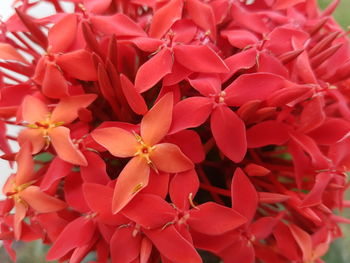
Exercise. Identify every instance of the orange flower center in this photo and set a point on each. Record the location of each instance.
(143, 149)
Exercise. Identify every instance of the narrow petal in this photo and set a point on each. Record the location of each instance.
(145, 250)
(190, 113)
(243, 194)
(76, 234)
(135, 100)
(78, 64)
(213, 219)
(41, 202)
(154, 70)
(165, 17)
(199, 59)
(67, 109)
(66, 150)
(183, 187)
(117, 141)
(63, 33)
(25, 165)
(131, 180)
(54, 84)
(229, 133)
(125, 247)
(34, 110)
(138, 211)
(172, 245)
(8, 52)
(168, 157)
(156, 123)
(20, 214)
(304, 241)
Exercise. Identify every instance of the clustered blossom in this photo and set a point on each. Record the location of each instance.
(175, 128)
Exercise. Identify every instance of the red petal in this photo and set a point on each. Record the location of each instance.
(312, 116)
(34, 136)
(229, 133)
(63, 33)
(309, 146)
(241, 60)
(255, 86)
(76, 234)
(125, 246)
(173, 246)
(314, 197)
(244, 196)
(190, 113)
(58, 169)
(240, 38)
(8, 52)
(34, 110)
(165, 17)
(239, 251)
(304, 241)
(248, 19)
(156, 123)
(95, 171)
(213, 219)
(99, 199)
(158, 184)
(97, 6)
(41, 202)
(199, 59)
(118, 24)
(138, 210)
(25, 165)
(284, 4)
(131, 180)
(263, 227)
(78, 64)
(182, 187)
(67, 109)
(154, 70)
(20, 214)
(54, 84)
(331, 131)
(168, 157)
(266, 133)
(73, 193)
(66, 150)
(190, 144)
(207, 84)
(202, 14)
(135, 100)
(117, 141)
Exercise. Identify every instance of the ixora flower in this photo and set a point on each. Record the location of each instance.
(175, 131)
(145, 149)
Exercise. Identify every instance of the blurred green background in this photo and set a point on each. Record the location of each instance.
(339, 252)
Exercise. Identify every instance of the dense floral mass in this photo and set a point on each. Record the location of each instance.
(169, 130)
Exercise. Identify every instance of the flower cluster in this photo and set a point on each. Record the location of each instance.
(166, 130)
